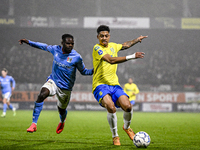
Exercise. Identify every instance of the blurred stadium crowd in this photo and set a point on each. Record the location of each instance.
(164, 64)
(172, 55)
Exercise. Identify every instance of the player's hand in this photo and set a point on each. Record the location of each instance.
(141, 38)
(139, 54)
(23, 41)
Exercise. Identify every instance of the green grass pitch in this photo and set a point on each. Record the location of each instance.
(90, 130)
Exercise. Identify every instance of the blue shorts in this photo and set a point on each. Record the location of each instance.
(114, 91)
(132, 102)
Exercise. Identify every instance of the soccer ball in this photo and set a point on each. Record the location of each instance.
(141, 139)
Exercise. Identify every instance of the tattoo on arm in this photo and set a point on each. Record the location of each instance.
(129, 44)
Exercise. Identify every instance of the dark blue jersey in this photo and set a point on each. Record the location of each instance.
(64, 65)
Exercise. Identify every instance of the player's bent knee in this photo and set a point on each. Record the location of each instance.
(128, 108)
(41, 97)
(44, 93)
(111, 109)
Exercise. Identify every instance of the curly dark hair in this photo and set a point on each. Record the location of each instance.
(103, 28)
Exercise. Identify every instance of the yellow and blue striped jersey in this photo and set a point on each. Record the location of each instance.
(104, 72)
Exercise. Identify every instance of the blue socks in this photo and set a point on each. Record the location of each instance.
(36, 111)
(11, 107)
(38, 108)
(4, 107)
(62, 117)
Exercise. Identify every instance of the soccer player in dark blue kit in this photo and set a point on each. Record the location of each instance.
(7, 84)
(61, 81)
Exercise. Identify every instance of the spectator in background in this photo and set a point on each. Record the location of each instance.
(131, 90)
(7, 84)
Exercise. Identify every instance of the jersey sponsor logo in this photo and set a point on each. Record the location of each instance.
(100, 52)
(69, 59)
(62, 65)
(96, 48)
(100, 93)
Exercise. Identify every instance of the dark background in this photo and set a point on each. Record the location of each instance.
(172, 55)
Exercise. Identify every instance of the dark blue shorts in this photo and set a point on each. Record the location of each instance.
(114, 91)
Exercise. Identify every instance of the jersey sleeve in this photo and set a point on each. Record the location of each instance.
(136, 89)
(12, 81)
(42, 46)
(118, 47)
(81, 67)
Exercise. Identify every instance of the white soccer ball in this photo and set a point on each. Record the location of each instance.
(141, 139)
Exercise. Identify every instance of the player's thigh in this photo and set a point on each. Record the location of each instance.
(63, 98)
(49, 88)
(4, 100)
(108, 103)
(124, 103)
(44, 93)
(6, 97)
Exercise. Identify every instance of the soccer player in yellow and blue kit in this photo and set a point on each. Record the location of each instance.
(131, 89)
(106, 88)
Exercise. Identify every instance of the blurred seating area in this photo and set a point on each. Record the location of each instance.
(172, 55)
(175, 67)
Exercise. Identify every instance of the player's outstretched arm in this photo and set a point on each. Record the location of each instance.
(117, 60)
(23, 41)
(129, 44)
(38, 45)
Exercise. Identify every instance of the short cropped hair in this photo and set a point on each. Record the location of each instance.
(64, 36)
(103, 28)
(4, 69)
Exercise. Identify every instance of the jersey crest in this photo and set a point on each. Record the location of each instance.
(69, 59)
